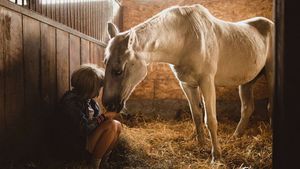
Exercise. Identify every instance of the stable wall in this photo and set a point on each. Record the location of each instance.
(37, 58)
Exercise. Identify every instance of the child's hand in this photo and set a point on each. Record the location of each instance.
(110, 115)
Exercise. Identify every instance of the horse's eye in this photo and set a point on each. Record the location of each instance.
(118, 72)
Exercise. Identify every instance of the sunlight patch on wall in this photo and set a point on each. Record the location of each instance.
(19, 2)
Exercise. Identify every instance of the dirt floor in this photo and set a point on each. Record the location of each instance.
(157, 143)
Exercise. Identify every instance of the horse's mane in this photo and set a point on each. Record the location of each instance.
(198, 17)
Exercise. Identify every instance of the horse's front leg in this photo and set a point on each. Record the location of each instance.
(193, 95)
(207, 86)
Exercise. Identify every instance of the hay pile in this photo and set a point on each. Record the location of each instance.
(170, 144)
(161, 144)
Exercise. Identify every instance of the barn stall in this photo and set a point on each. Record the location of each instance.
(39, 39)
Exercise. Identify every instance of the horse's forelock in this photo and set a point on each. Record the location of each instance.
(116, 42)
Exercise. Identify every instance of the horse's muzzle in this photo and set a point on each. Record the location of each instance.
(113, 106)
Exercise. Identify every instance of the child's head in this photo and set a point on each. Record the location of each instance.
(87, 80)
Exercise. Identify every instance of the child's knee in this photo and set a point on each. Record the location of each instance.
(113, 126)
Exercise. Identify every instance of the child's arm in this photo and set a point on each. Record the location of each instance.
(90, 125)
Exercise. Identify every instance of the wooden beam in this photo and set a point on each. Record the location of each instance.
(32, 44)
(48, 68)
(74, 54)
(85, 51)
(62, 58)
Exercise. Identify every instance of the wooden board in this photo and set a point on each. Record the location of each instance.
(32, 101)
(31, 40)
(92, 53)
(62, 58)
(74, 54)
(14, 82)
(93, 57)
(97, 54)
(2, 73)
(48, 66)
(97, 58)
(100, 55)
(85, 51)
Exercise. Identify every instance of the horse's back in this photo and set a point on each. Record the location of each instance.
(263, 25)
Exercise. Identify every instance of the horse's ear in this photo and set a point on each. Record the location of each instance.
(112, 30)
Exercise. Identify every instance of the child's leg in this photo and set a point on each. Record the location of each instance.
(103, 139)
(113, 143)
(108, 139)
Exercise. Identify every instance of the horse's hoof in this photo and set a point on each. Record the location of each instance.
(237, 134)
(217, 163)
(216, 156)
(216, 160)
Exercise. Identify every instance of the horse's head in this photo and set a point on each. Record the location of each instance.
(124, 68)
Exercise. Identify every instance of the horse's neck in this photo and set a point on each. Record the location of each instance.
(156, 47)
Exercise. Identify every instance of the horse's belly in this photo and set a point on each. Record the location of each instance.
(237, 73)
(233, 80)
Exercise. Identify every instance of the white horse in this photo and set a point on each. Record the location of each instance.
(203, 51)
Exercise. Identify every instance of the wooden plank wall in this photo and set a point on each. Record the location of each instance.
(87, 16)
(37, 58)
(3, 38)
(48, 68)
(13, 65)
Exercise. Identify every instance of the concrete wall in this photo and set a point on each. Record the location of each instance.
(160, 93)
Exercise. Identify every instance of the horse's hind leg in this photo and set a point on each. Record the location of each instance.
(247, 106)
(193, 95)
